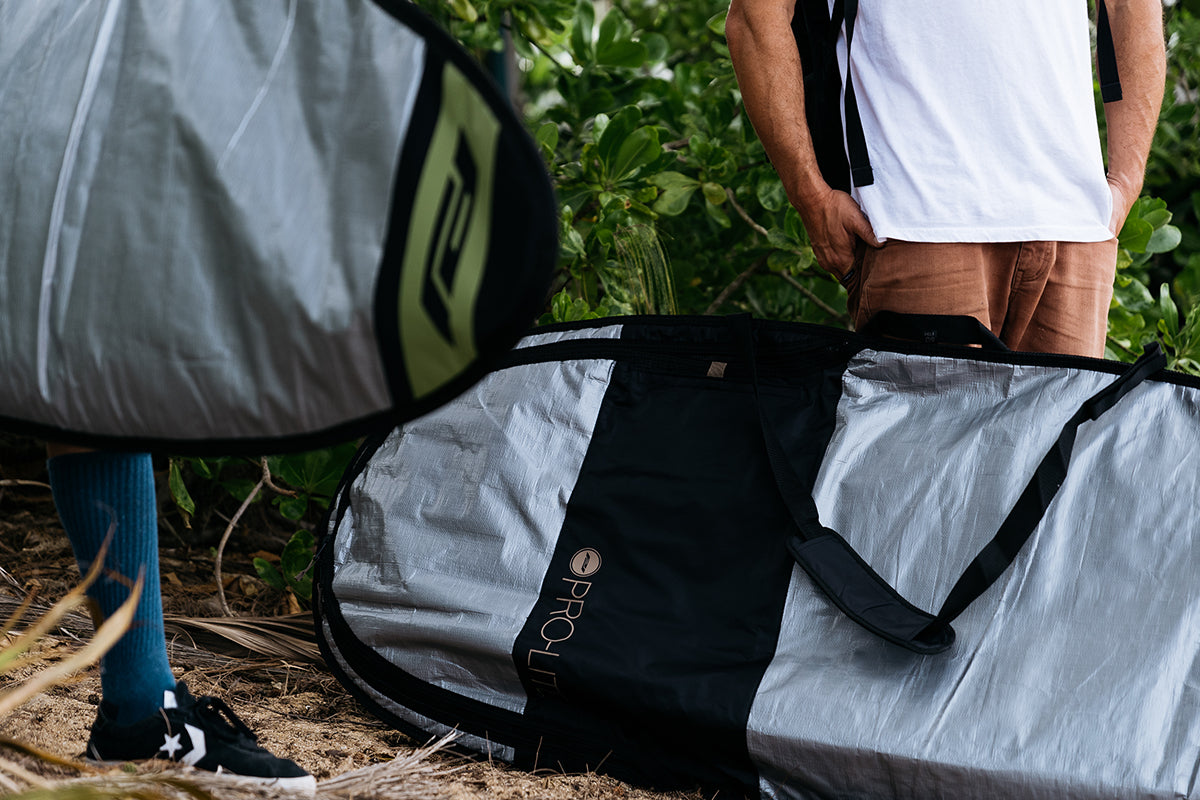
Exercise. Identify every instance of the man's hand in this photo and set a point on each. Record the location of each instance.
(835, 223)
(1123, 199)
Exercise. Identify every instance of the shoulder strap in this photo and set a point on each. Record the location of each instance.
(856, 140)
(816, 33)
(1106, 57)
(867, 598)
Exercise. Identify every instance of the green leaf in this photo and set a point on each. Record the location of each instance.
(639, 149)
(1167, 310)
(1133, 296)
(610, 29)
(463, 9)
(713, 193)
(547, 137)
(781, 261)
(673, 202)
(656, 45)
(316, 472)
(612, 132)
(622, 54)
(1158, 217)
(770, 194)
(268, 574)
(292, 508)
(241, 488)
(716, 23)
(207, 468)
(179, 493)
(674, 180)
(793, 226)
(780, 240)
(1135, 235)
(297, 554)
(717, 215)
(560, 304)
(1164, 239)
(581, 32)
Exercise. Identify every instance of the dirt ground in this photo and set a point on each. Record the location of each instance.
(294, 704)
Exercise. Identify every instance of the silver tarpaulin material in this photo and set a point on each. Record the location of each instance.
(197, 205)
(1075, 675)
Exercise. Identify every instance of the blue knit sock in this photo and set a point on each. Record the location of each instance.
(95, 492)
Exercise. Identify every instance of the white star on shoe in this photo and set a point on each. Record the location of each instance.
(171, 745)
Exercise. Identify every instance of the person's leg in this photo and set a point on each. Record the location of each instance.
(144, 713)
(936, 278)
(1068, 312)
(98, 493)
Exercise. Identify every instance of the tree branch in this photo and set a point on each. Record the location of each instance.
(818, 302)
(728, 291)
(264, 480)
(742, 213)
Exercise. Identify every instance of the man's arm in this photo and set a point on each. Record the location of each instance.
(771, 80)
(1137, 29)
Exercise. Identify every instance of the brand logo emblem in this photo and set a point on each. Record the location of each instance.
(448, 237)
(585, 563)
(558, 627)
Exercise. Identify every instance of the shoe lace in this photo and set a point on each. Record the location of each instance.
(217, 713)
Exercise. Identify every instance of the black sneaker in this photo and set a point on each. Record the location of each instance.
(200, 732)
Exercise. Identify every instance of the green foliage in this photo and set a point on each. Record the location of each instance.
(638, 115)
(1137, 315)
(305, 484)
(312, 476)
(666, 195)
(294, 570)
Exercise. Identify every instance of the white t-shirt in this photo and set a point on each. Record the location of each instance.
(979, 120)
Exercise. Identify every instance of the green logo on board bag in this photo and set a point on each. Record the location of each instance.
(448, 237)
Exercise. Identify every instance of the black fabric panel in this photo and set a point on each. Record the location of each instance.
(816, 38)
(659, 651)
(522, 245)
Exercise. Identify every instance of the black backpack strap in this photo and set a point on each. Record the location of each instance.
(1106, 57)
(816, 36)
(858, 590)
(856, 141)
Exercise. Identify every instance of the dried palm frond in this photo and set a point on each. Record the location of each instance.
(17, 653)
(290, 638)
(111, 630)
(648, 284)
(408, 776)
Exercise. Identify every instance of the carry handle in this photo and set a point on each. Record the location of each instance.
(933, 329)
(860, 592)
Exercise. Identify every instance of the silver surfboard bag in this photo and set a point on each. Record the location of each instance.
(785, 561)
(254, 226)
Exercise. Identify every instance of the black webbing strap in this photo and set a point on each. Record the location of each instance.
(1017, 527)
(856, 141)
(1106, 57)
(933, 329)
(858, 590)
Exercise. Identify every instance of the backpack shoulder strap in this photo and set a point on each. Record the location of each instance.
(1106, 57)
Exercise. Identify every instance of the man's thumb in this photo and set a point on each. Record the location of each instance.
(864, 231)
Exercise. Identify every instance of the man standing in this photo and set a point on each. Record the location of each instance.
(989, 195)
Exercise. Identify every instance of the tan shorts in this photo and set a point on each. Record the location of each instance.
(1049, 297)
